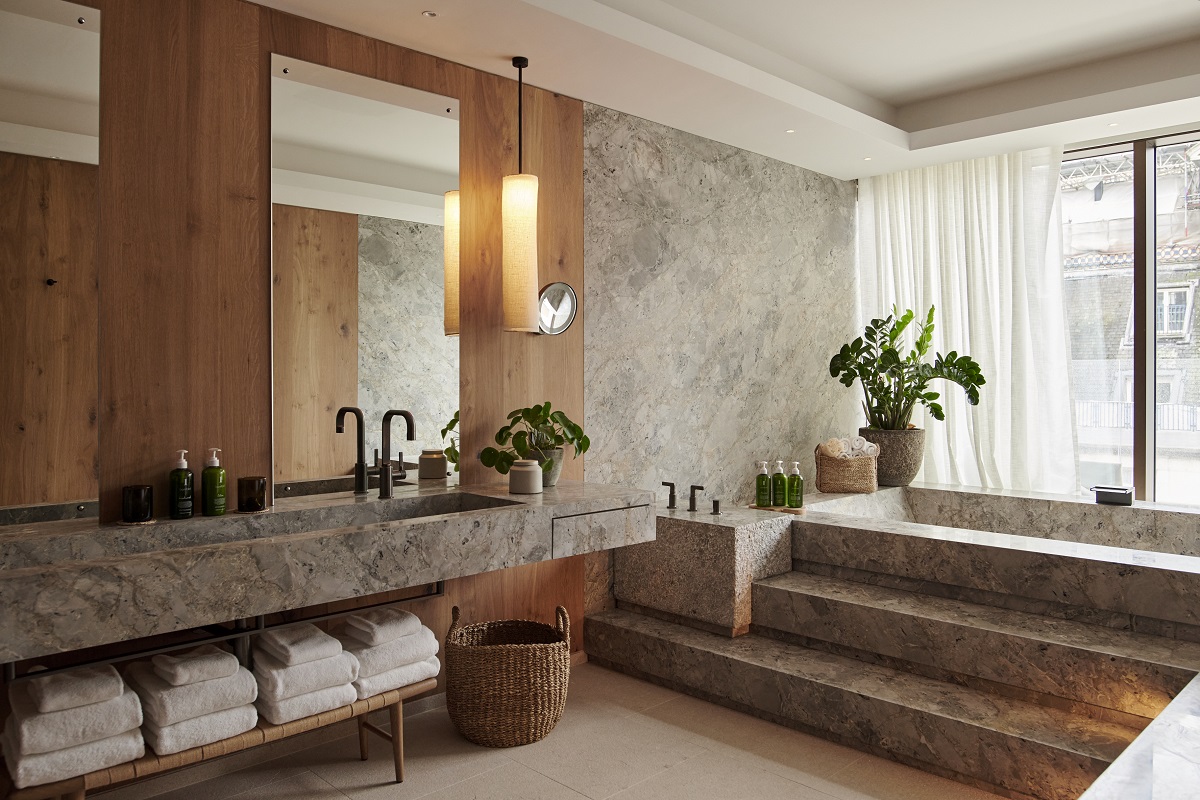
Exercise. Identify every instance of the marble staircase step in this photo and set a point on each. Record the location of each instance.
(981, 738)
(1114, 669)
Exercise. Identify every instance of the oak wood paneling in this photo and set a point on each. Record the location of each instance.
(184, 271)
(315, 279)
(48, 216)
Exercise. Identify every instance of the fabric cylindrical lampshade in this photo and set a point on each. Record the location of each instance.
(450, 234)
(520, 260)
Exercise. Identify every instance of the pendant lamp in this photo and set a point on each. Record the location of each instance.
(519, 210)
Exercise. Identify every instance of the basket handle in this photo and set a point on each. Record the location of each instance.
(564, 623)
(454, 614)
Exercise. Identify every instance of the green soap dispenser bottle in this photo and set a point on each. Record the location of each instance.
(182, 486)
(762, 487)
(778, 485)
(213, 479)
(795, 490)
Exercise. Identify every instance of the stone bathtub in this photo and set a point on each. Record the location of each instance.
(1142, 526)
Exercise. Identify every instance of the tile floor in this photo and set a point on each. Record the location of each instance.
(619, 738)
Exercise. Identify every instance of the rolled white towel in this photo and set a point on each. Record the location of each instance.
(201, 730)
(165, 704)
(871, 449)
(34, 732)
(278, 682)
(857, 444)
(205, 663)
(299, 644)
(419, 646)
(395, 678)
(278, 712)
(77, 687)
(381, 625)
(34, 770)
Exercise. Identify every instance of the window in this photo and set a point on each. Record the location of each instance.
(1174, 311)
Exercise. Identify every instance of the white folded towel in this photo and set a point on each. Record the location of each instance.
(205, 663)
(34, 732)
(299, 644)
(419, 646)
(277, 682)
(77, 687)
(165, 704)
(201, 730)
(395, 678)
(81, 759)
(381, 625)
(278, 712)
(858, 444)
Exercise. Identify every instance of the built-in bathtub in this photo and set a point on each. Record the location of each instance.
(1143, 526)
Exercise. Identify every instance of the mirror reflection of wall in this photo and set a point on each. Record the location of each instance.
(49, 151)
(359, 171)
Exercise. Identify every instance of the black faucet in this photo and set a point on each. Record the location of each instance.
(692, 504)
(671, 499)
(360, 466)
(385, 466)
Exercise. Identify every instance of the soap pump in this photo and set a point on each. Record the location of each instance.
(213, 478)
(762, 487)
(182, 484)
(795, 487)
(778, 485)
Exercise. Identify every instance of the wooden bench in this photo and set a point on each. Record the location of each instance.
(151, 764)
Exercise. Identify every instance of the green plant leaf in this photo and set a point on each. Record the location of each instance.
(489, 456)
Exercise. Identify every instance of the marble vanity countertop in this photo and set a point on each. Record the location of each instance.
(67, 584)
(1163, 761)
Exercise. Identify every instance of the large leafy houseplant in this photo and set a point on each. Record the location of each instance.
(894, 384)
(533, 433)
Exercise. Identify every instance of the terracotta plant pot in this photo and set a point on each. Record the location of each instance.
(900, 454)
(550, 477)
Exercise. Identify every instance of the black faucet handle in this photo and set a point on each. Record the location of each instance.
(671, 499)
(692, 503)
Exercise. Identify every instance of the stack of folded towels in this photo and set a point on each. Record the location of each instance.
(301, 671)
(69, 724)
(193, 699)
(393, 649)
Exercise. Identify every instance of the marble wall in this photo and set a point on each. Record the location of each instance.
(719, 284)
(405, 360)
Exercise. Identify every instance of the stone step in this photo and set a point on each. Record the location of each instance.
(1093, 664)
(1119, 587)
(984, 739)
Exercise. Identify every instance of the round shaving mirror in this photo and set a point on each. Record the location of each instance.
(556, 308)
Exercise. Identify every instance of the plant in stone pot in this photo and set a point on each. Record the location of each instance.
(538, 433)
(894, 385)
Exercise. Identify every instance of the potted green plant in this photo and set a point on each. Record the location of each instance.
(538, 433)
(451, 450)
(894, 385)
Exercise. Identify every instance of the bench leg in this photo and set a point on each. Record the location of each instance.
(396, 713)
(362, 736)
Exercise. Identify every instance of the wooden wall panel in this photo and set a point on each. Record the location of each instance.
(315, 282)
(48, 215)
(185, 303)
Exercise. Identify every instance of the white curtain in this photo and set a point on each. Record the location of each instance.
(980, 240)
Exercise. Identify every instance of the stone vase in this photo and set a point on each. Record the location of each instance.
(900, 454)
(549, 477)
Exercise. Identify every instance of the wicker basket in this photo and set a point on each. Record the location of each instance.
(854, 475)
(506, 681)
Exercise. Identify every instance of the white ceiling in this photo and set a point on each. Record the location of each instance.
(903, 84)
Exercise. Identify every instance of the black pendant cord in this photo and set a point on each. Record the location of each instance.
(520, 62)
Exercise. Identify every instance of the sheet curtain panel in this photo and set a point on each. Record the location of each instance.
(981, 241)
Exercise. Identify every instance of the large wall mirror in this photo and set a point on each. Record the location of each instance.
(49, 152)
(360, 168)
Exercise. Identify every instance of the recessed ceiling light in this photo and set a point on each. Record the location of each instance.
(1113, 124)
(790, 130)
(430, 14)
(868, 158)
(286, 71)
(81, 20)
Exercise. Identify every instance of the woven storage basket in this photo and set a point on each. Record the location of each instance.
(856, 475)
(506, 681)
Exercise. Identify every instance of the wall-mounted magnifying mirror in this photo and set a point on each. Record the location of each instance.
(557, 305)
(360, 168)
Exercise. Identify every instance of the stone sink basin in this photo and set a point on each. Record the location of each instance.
(50, 543)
